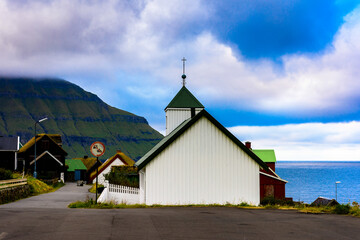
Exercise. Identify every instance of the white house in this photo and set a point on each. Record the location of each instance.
(119, 159)
(199, 161)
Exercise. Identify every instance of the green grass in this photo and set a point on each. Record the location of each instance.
(343, 209)
(37, 186)
(93, 187)
(90, 203)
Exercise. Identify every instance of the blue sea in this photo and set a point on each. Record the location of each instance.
(307, 180)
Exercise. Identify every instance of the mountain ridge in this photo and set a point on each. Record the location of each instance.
(81, 117)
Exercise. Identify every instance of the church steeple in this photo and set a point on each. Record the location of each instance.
(182, 107)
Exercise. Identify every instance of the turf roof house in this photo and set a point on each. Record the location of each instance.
(119, 159)
(199, 161)
(50, 156)
(76, 170)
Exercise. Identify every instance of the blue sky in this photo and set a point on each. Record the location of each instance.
(282, 74)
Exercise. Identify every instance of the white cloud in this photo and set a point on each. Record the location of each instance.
(307, 141)
(87, 41)
(308, 84)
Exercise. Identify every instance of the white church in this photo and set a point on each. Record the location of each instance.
(199, 161)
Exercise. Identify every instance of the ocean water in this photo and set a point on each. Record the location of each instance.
(307, 180)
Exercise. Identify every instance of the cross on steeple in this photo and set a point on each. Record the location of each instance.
(183, 76)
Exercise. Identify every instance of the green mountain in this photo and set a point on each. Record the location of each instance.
(79, 116)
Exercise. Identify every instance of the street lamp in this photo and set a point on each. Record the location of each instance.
(39, 121)
(336, 183)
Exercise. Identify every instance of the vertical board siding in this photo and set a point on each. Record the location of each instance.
(202, 166)
(175, 116)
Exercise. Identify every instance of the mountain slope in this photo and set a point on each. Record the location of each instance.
(79, 116)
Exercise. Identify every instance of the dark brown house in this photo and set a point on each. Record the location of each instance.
(9, 147)
(50, 156)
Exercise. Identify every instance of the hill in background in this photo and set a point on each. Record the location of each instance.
(79, 116)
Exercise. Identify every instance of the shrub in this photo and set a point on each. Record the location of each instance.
(272, 201)
(342, 209)
(355, 209)
(244, 204)
(268, 201)
(5, 174)
(123, 175)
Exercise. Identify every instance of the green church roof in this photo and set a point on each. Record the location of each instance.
(184, 99)
(75, 164)
(267, 155)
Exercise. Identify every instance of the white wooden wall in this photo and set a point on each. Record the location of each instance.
(203, 166)
(101, 177)
(175, 116)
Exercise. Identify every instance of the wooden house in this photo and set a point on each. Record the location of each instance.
(199, 161)
(76, 170)
(9, 147)
(271, 184)
(119, 159)
(50, 156)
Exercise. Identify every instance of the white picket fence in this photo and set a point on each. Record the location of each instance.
(119, 194)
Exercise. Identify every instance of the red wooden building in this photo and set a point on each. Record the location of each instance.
(271, 184)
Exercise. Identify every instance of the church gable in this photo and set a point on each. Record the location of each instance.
(202, 165)
(169, 139)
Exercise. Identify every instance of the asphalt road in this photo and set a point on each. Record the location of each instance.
(36, 221)
(59, 199)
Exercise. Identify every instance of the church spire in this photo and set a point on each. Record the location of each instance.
(183, 76)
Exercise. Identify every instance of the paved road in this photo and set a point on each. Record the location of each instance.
(173, 223)
(59, 199)
(46, 217)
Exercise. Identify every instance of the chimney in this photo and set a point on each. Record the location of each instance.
(248, 145)
(192, 112)
(118, 151)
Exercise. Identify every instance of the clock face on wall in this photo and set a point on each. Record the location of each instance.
(97, 149)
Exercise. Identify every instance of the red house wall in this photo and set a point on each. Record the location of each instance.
(270, 186)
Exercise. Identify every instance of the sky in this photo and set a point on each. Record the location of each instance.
(281, 74)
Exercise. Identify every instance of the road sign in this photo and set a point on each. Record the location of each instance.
(97, 149)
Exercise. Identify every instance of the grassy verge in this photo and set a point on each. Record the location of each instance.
(93, 188)
(344, 209)
(37, 186)
(90, 203)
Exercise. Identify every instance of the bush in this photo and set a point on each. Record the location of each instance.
(342, 209)
(123, 175)
(272, 201)
(268, 201)
(5, 174)
(355, 209)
